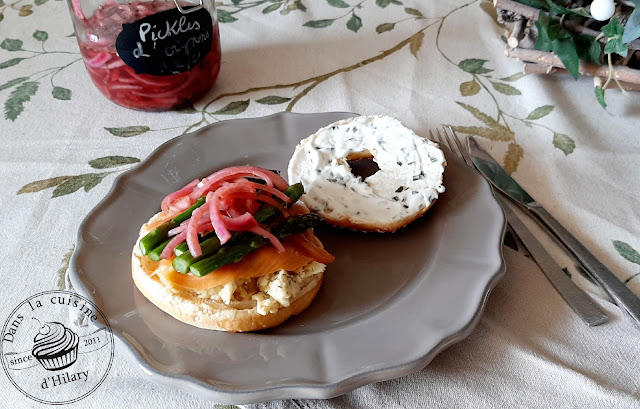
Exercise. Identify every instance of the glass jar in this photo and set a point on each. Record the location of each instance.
(150, 55)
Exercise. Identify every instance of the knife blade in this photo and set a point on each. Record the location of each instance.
(498, 177)
(577, 299)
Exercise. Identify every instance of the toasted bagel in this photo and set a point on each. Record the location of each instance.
(407, 184)
(241, 313)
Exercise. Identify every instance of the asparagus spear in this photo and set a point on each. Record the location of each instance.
(158, 235)
(155, 253)
(235, 253)
(211, 244)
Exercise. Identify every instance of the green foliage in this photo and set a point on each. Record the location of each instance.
(505, 88)
(474, 66)
(564, 143)
(15, 104)
(384, 27)
(112, 161)
(355, 23)
(41, 35)
(514, 77)
(271, 8)
(128, 131)
(600, 96)
(273, 100)
(413, 12)
(632, 28)
(540, 112)
(74, 183)
(10, 63)
(338, 3)
(64, 185)
(588, 48)
(225, 17)
(11, 44)
(60, 93)
(626, 251)
(13, 82)
(233, 108)
(614, 31)
(553, 37)
(319, 23)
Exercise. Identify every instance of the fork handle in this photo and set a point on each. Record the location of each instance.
(619, 292)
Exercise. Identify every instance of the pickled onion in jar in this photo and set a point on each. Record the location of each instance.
(119, 82)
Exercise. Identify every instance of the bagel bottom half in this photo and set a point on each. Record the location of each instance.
(204, 312)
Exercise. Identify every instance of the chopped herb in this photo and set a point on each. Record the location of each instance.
(400, 189)
(417, 177)
(433, 159)
(399, 163)
(405, 206)
(396, 198)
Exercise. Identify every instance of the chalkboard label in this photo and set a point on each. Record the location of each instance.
(167, 42)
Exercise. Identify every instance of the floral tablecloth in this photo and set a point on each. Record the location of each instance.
(427, 63)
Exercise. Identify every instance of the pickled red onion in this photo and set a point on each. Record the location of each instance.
(168, 250)
(260, 198)
(170, 198)
(99, 60)
(192, 229)
(212, 181)
(241, 223)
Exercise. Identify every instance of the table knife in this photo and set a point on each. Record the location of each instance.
(577, 299)
(621, 295)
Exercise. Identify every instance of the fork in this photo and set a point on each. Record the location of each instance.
(577, 299)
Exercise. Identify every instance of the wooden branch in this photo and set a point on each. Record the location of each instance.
(533, 13)
(625, 74)
(518, 8)
(516, 35)
(531, 68)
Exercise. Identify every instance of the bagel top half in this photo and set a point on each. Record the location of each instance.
(240, 305)
(406, 185)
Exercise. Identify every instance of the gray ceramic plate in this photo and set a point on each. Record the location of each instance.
(388, 305)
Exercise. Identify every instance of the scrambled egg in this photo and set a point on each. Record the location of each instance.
(271, 292)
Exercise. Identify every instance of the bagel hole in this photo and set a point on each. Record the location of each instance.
(362, 164)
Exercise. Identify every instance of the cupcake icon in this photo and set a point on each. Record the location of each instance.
(55, 346)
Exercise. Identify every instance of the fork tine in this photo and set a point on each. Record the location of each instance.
(440, 139)
(463, 151)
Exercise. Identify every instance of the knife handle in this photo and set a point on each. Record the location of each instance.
(619, 292)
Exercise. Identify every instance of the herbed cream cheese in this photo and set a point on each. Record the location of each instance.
(271, 292)
(410, 175)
